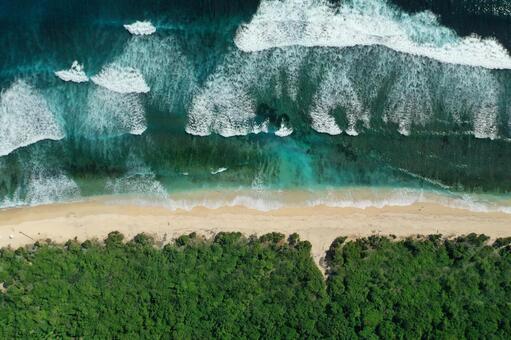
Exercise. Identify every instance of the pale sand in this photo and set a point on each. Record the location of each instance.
(319, 225)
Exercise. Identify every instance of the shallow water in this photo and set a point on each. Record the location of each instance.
(293, 95)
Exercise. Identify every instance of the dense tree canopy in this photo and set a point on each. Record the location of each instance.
(266, 287)
(260, 288)
(426, 288)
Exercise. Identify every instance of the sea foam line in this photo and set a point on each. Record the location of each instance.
(270, 200)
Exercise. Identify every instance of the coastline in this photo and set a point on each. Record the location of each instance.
(96, 217)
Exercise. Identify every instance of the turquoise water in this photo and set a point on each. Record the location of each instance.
(270, 95)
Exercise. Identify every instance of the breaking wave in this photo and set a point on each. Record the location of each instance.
(40, 184)
(284, 130)
(113, 114)
(247, 201)
(25, 118)
(230, 113)
(364, 22)
(75, 74)
(407, 197)
(121, 79)
(164, 66)
(336, 90)
(139, 179)
(227, 103)
(350, 90)
(45, 188)
(141, 28)
(269, 200)
(364, 93)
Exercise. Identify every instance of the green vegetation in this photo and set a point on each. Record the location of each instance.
(266, 287)
(427, 288)
(261, 288)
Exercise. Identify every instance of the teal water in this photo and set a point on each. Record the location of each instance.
(253, 95)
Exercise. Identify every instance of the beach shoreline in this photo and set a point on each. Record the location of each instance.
(320, 225)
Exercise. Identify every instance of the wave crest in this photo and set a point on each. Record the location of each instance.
(139, 179)
(25, 118)
(364, 22)
(75, 74)
(141, 28)
(121, 79)
(112, 114)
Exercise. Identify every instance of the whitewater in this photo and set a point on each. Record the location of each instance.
(259, 99)
(365, 22)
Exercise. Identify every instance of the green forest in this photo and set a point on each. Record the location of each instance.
(268, 287)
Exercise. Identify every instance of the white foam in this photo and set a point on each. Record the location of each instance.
(247, 201)
(74, 74)
(121, 79)
(139, 179)
(410, 101)
(226, 104)
(490, 7)
(112, 114)
(7, 203)
(325, 123)
(25, 118)
(141, 28)
(475, 204)
(476, 92)
(223, 108)
(163, 64)
(218, 171)
(346, 199)
(349, 90)
(313, 23)
(268, 200)
(336, 92)
(263, 127)
(407, 197)
(142, 184)
(43, 188)
(416, 95)
(284, 130)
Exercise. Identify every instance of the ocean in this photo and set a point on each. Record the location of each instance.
(360, 103)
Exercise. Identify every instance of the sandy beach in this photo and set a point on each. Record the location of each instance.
(320, 225)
